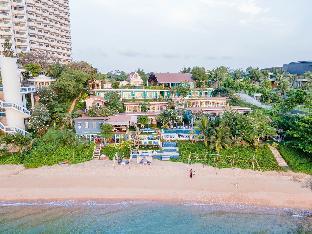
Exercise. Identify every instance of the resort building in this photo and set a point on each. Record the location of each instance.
(41, 81)
(206, 102)
(300, 82)
(135, 79)
(13, 98)
(99, 84)
(171, 80)
(94, 101)
(212, 105)
(37, 26)
(138, 94)
(154, 107)
(298, 68)
(151, 94)
(90, 127)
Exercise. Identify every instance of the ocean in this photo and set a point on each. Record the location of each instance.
(148, 217)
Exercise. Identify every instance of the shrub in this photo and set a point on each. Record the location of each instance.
(10, 159)
(58, 146)
(244, 157)
(296, 159)
(122, 150)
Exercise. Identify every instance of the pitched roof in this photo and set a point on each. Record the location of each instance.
(164, 78)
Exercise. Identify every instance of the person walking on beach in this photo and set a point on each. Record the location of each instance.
(191, 174)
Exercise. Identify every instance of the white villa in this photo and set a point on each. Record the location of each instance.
(135, 79)
(41, 81)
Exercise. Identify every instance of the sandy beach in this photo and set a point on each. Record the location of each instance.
(163, 181)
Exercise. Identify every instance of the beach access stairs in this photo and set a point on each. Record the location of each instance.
(97, 151)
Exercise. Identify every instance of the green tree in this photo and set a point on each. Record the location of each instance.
(186, 70)
(145, 107)
(205, 128)
(40, 119)
(220, 138)
(143, 76)
(219, 75)
(301, 133)
(33, 68)
(200, 76)
(182, 90)
(143, 120)
(236, 122)
(255, 74)
(117, 75)
(168, 118)
(115, 85)
(294, 98)
(114, 102)
(7, 49)
(48, 97)
(55, 70)
(106, 131)
(258, 126)
(238, 74)
(83, 67)
(70, 84)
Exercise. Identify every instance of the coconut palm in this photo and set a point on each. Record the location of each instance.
(205, 128)
(221, 138)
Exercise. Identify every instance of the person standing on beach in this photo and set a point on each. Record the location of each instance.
(191, 174)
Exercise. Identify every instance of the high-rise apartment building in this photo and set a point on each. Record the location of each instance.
(37, 26)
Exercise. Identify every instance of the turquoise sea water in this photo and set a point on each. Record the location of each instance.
(147, 217)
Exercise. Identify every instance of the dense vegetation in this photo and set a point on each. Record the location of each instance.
(56, 146)
(244, 157)
(296, 159)
(122, 150)
(233, 140)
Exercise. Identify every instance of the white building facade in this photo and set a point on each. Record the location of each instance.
(37, 25)
(13, 101)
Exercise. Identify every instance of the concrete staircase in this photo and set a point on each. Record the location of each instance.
(97, 152)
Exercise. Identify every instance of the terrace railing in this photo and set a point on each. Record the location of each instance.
(21, 109)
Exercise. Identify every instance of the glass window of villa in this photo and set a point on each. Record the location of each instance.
(86, 124)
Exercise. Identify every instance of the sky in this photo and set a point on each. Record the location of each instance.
(167, 35)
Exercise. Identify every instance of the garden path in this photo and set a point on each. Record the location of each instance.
(280, 161)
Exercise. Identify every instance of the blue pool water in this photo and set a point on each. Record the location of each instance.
(146, 217)
(179, 131)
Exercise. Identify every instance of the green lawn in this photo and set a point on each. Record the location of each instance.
(297, 160)
(244, 157)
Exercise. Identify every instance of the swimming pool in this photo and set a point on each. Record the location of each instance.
(180, 131)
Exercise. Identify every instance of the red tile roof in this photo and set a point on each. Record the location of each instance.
(164, 78)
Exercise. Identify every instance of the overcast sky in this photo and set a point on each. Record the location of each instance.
(166, 35)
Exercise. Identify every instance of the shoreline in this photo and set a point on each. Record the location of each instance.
(126, 201)
(163, 182)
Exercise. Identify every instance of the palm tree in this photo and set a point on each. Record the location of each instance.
(221, 138)
(205, 128)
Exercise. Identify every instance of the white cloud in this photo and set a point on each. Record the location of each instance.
(251, 7)
(146, 32)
